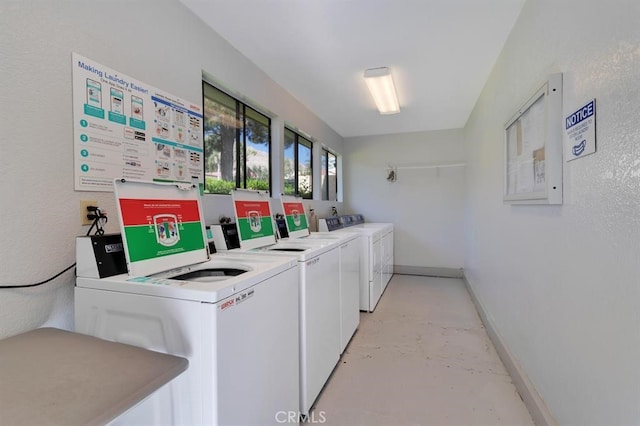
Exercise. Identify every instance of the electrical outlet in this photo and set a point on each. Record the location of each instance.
(83, 211)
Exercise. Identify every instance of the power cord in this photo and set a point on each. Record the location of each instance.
(99, 220)
(97, 216)
(41, 282)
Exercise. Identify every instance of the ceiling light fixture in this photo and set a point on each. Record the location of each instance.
(382, 89)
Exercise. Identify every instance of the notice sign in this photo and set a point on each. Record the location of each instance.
(580, 127)
(294, 213)
(125, 128)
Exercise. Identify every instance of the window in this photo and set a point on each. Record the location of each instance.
(237, 144)
(329, 175)
(298, 175)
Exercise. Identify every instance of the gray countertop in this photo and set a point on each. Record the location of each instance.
(56, 377)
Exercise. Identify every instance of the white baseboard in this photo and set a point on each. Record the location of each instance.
(428, 271)
(533, 401)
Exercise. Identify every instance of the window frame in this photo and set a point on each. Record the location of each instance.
(296, 163)
(324, 166)
(240, 140)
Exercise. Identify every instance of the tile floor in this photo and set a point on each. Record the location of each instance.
(421, 358)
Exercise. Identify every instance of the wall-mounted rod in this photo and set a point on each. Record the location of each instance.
(431, 166)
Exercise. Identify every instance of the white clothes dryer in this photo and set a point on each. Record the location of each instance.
(376, 256)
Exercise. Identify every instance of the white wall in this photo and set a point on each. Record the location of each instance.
(156, 41)
(560, 283)
(425, 204)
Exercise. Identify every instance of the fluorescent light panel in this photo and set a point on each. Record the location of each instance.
(382, 90)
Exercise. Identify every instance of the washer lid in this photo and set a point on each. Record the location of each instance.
(162, 225)
(253, 218)
(295, 216)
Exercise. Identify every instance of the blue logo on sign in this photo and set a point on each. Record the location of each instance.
(579, 149)
(582, 114)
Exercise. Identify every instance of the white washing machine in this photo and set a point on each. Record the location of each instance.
(385, 230)
(295, 225)
(376, 256)
(349, 288)
(319, 311)
(233, 316)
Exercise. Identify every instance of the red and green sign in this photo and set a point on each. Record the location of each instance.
(156, 228)
(296, 219)
(254, 219)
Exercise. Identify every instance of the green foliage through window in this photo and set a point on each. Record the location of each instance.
(237, 144)
(298, 171)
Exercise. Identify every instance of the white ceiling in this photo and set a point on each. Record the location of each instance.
(440, 53)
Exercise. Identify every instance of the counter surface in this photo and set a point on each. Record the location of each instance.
(55, 377)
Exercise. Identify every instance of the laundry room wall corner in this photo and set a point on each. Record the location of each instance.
(425, 202)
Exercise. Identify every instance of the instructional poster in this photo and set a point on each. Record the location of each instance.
(125, 128)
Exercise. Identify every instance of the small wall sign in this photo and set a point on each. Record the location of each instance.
(580, 128)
